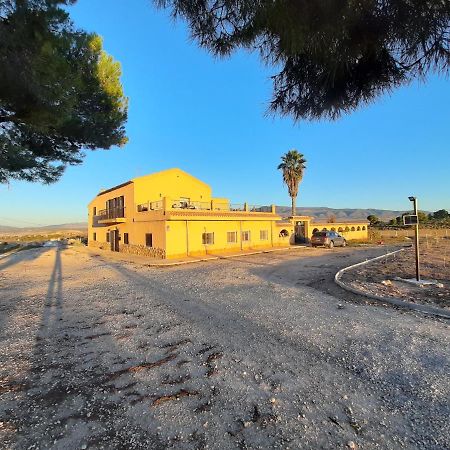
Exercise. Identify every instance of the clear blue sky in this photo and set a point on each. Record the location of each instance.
(207, 116)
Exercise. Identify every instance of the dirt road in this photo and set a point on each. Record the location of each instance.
(253, 352)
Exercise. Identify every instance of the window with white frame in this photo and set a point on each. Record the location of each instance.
(207, 238)
(245, 236)
(231, 237)
(264, 235)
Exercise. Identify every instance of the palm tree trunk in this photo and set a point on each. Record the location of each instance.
(293, 206)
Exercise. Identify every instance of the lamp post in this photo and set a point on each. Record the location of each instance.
(414, 200)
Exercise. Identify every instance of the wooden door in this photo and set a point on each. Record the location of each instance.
(114, 240)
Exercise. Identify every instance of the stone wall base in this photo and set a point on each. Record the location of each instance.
(99, 245)
(143, 250)
(132, 249)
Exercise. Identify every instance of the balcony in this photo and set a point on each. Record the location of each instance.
(112, 215)
(169, 204)
(150, 206)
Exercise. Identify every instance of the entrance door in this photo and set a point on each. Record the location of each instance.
(114, 240)
(300, 237)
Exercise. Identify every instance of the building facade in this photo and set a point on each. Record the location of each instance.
(171, 214)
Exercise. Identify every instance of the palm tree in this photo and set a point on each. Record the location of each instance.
(293, 167)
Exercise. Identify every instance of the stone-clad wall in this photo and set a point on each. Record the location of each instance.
(134, 249)
(99, 245)
(142, 250)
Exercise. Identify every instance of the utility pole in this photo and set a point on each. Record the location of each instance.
(414, 200)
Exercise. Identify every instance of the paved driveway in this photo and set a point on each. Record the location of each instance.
(253, 352)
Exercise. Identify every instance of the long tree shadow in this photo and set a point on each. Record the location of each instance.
(70, 395)
(9, 304)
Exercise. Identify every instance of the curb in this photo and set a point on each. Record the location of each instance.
(217, 257)
(197, 260)
(391, 300)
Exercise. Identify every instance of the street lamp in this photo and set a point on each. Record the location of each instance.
(414, 200)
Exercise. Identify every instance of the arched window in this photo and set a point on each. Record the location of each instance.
(363, 227)
(324, 229)
(347, 229)
(333, 229)
(353, 229)
(358, 229)
(315, 230)
(284, 233)
(340, 229)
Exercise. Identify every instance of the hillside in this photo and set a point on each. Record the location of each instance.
(77, 226)
(322, 213)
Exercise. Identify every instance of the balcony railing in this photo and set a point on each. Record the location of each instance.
(150, 206)
(175, 204)
(112, 213)
(256, 208)
(183, 204)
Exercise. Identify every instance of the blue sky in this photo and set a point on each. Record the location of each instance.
(207, 116)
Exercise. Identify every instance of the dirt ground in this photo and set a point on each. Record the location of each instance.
(379, 278)
(261, 351)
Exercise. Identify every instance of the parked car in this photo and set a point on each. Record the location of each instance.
(328, 239)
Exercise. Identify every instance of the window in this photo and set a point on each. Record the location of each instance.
(107, 236)
(94, 237)
(264, 235)
(231, 237)
(245, 236)
(207, 238)
(148, 239)
(125, 238)
(115, 207)
(95, 211)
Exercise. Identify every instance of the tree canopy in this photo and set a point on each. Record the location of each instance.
(60, 92)
(333, 55)
(373, 219)
(440, 214)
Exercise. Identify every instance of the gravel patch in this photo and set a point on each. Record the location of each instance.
(255, 352)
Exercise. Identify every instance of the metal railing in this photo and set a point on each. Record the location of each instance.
(150, 206)
(237, 207)
(112, 213)
(182, 204)
(257, 208)
(201, 206)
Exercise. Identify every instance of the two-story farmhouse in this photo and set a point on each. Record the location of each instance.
(171, 214)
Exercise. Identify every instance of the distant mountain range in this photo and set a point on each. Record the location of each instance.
(319, 214)
(347, 214)
(77, 226)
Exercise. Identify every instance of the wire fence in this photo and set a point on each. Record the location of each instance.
(434, 245)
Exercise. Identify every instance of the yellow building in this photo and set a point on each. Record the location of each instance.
(171, 214)
(299, 229)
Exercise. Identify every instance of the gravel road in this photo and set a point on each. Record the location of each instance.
(260, 351)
